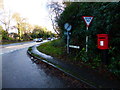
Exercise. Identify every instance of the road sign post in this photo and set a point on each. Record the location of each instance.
(68, 42)
(86, 40)
(87, 20)
(68, 28)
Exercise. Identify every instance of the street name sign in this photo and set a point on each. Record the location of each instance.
(87, 19)
(72, 46)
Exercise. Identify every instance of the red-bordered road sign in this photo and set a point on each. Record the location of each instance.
(88, 19)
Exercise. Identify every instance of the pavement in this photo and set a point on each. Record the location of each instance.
(84, 74)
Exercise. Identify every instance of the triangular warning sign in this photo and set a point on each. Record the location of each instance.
(87, 19)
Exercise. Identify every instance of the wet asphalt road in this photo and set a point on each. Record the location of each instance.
(18, 71)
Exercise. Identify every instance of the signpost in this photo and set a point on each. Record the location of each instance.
(88, 20)
(68, 27)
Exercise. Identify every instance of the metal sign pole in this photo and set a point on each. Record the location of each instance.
(68, 28)
(67, 42)
(87, 20)
(86, 40)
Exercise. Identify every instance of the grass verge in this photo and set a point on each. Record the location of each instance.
(57, 49)
(53, 48)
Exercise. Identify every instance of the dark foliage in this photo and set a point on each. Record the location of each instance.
(106, 21)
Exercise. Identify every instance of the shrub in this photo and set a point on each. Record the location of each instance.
(106, 21)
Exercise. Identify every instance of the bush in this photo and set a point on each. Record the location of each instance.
(106, 21)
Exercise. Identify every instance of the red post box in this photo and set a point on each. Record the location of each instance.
(102, 41)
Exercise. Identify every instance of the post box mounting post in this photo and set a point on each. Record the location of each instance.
(102, 44)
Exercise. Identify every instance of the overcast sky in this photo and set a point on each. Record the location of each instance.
(35, 11)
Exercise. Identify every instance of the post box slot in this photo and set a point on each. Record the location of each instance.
(101, 37)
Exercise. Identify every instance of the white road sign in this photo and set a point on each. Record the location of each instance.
(72, 46)
(87, 19)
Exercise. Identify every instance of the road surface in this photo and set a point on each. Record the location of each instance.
(18, 71)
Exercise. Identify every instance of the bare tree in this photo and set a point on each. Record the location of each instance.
(55, 9)
(5, 19)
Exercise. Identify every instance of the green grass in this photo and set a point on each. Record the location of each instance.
(51, 48)
(30, 49)
(57, 49)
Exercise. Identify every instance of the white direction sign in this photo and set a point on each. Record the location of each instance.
(72, 46)
(87, 20)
